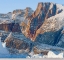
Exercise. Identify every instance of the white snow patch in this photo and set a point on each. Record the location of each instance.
(51, 54)
(4, 45)
(3, 50)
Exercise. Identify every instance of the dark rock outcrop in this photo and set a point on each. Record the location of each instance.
(12, 27)
(16, 28)
(3, 38)
(61, 40)
(50, 38)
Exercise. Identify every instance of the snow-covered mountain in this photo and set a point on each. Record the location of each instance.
(34, 31)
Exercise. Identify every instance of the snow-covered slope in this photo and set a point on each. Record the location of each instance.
(3, 49)
(21, 15)
(18, 15)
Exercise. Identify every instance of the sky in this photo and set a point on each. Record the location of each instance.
(10, 5)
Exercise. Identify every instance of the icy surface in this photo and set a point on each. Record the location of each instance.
(4, 53)
(2, 49)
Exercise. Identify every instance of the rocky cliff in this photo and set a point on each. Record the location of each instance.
(39, 22)
(44, 25)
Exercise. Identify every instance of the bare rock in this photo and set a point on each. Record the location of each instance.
(15, 43)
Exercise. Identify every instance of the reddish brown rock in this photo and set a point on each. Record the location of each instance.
(38, 51)
(6, 27)
(28, 12)
(10, 27)
(36, 20)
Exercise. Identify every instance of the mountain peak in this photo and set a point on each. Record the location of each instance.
(40, 15)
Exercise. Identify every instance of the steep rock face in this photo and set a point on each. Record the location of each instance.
(28, 12)
(17, 12)
(10, 27)
(39, 18)
(11, 21)
(50, 38)
(16, 28)
(15, 43)
(6, 27)
(61, 40)
(43, 11)
(20, 15)
(50, 31)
